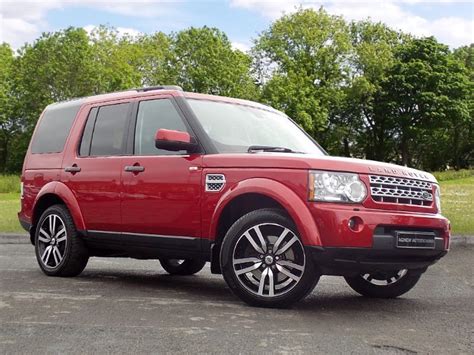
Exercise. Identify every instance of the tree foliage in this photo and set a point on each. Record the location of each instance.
(360, 88)
(203, 61)
(303, 64)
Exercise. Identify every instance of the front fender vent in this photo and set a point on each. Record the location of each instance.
(215, 182)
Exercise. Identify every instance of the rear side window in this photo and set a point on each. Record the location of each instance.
(54, 127)
(85, 147)
(108, 134)
(154, 115)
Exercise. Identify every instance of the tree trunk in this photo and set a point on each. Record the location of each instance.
(347, 152)
(404, 150)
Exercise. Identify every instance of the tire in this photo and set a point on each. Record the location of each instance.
(182, 267)
(385, 285)
(59, 249)
(275, 272)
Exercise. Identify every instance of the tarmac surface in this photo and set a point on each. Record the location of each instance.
(131, 306)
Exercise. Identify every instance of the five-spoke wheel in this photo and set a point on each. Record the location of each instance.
(264, 261)
(59, 249)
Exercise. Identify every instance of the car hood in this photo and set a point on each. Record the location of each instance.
(267, 160)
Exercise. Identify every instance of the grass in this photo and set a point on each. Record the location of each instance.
(457, 198)
(457, 204)
(9, 206)
(9, 183)
(453, 174)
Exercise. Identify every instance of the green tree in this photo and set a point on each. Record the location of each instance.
(425, 92)
(203, 61)
(301, 61)
(58, 66)
(124, 62)
(463, 136)
(153, 63)
(9, 126)
(367, 128)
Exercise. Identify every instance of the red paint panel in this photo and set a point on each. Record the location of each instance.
(165, 198)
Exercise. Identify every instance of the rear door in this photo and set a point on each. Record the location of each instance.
(92, 168)
(162, 189)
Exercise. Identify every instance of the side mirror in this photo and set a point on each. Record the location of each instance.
(167, 139)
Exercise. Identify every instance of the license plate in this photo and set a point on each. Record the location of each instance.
(415, 240)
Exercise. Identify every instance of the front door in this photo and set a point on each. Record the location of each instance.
(161, 189)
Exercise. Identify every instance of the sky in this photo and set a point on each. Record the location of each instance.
(450, 21)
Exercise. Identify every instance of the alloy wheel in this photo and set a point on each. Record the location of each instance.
(52, 241)
(268, 260)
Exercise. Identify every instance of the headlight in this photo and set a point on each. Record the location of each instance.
(438, 198)
(336, 187)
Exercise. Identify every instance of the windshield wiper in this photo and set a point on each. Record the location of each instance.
(267, 148)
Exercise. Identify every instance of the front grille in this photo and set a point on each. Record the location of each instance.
(388, 189)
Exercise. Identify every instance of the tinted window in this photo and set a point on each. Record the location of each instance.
(109, 130)
(54, 127)
(154, 115)
(85, 147)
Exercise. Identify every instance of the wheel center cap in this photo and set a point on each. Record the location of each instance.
(269, 260)
(53, 241)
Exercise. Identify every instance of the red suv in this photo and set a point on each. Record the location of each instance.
(158, 173)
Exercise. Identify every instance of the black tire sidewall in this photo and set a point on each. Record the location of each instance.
(400, 287)
(307, 282)
(188, 267)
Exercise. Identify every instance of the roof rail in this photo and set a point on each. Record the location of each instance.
(161, 87)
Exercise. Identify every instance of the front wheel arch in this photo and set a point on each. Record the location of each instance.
(290, 202)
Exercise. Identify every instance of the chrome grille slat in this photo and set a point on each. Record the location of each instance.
(389, 189)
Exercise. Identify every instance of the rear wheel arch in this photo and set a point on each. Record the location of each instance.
(52, 194)
(41, 205)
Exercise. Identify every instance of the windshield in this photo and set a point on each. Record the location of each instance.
(235, 128)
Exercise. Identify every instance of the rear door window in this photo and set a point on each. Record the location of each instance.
(108, 135)
(54, 127)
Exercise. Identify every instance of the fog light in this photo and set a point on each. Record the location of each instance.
(355, 224)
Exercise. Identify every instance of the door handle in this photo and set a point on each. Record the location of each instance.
(134, 168)
(72, 169)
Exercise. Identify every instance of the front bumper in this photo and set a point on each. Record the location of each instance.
(382, 256)
(332, 221)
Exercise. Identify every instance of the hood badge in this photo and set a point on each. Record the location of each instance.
(402, 172)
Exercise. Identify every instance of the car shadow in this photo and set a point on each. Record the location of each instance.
(203, 287)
